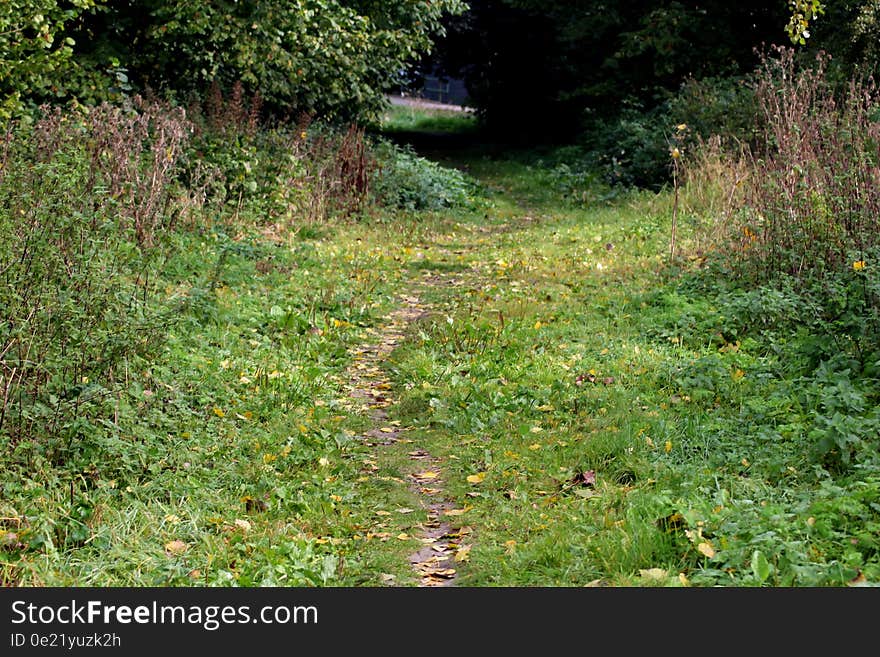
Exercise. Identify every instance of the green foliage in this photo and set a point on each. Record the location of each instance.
(802, 13)
(35, 50)
(332, 58)
(87, 203)
(405, 180)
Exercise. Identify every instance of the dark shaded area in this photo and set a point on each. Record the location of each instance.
(552, 69)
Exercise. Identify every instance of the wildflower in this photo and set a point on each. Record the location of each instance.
(859, 265)
(675, 153)
(681, 127)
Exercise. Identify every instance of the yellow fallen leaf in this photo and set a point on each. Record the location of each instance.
(476, 478)
(427, 475)
(668, 447)
(386, 430)
(403, 536)
(510, 545)
(175, 548)
(737, 375)
(219, 412)
(535, 446)
(463, 553)
(454, 512)
(706, 548)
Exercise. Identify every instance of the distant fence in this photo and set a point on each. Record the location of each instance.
(442, 90)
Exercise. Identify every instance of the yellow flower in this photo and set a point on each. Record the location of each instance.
(681, 127)
(859, 265)
(675, 153)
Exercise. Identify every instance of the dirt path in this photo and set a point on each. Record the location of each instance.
(434, 563)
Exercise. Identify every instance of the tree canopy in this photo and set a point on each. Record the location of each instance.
(331, 57)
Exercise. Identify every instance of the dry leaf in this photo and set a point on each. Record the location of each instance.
(463, 553)
(175, 548)
(454, 512)
(476, 478)
(587, 478)
(706, 549)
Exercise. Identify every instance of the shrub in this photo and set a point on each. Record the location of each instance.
(85, 207)
(289, 173)
(405, 180)
(814, 198)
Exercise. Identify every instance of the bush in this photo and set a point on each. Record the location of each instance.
(288, 173)
(634, 149)
(86, 204)
(405, 180)
(814, 198)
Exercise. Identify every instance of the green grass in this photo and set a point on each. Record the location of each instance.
(624, 427)
(402, 118)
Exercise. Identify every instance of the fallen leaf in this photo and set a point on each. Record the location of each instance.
(668, 446)
(653, 574)
(175, 548)
(463, 553)
(476, 478)
(454, 512)
(403, 536)
(587, 478)
(427, 475)
(706, 549)
(243, 524)
(858, 580)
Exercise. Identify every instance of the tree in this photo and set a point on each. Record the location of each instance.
(534, 64)
(331, 57)
(34, 49)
